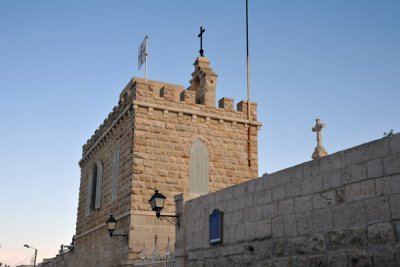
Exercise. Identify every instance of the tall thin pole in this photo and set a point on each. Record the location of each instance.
(34, 261)
(248, 62)
(248, 87)
(145, 59)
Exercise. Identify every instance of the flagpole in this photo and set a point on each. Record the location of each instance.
(248, 88)
(248, 62)
(145, 59)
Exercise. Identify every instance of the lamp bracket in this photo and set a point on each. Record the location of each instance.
(172, 219)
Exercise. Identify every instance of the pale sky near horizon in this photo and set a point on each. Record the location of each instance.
(64, 63)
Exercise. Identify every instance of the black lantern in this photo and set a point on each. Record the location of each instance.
(111, 224)
(157, 202)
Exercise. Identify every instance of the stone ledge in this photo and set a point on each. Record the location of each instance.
(197, 113)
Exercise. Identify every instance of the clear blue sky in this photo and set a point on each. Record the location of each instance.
(64, 63)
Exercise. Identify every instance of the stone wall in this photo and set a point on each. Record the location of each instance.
(341, 210)
(154, 126)
(168, 120)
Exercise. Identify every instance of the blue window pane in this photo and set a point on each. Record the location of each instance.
(216, 227)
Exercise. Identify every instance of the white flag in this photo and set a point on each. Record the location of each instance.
(142, 52)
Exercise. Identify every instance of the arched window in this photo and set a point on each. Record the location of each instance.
(95, 185)
(89, 194)
(114, 181)
(199, 166)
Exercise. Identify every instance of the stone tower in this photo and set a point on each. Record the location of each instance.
(159, 136)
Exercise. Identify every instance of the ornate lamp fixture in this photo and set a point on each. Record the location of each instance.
(111, 223)
(157, 201)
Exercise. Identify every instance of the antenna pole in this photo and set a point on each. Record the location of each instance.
(248, 87)
(145, 59)
(248, 62)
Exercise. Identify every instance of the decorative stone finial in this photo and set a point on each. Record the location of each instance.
(319, 151)
(203, 82)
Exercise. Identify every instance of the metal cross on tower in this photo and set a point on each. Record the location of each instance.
(201, 41)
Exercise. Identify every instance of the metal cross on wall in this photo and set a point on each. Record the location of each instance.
(201, 41)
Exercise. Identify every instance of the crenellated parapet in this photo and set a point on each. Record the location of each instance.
(199, 96)
(197, 101)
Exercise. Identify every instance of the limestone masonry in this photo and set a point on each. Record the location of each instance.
(341, 210)
(159, 136)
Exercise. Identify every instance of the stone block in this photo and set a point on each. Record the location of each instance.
(229, 234)
(317, 260)
(251, 214)
(337, 258)
(354, 237)
(394, 142)
(322, 220)
(293, 189)
(269, 210)
(340, 196)
(381, 233)
(311, 169)
(302, 204)
(395, 206)
(391, 164)
(277, 179)
(279, 247)
(285, 207)
(279, 193)
(317, 244)
(263, 197)
(361, 190)
(297, 246)
(282, 262)
(387, 185)
(240, 232)
(263, 228)
(377, 210)
(354, 173)
(359, 258)
(374, 168)
(226, 103)
(197, 239)
(311, 184)
(337, 161)
(324, 200)
(289, 222)
(277, 227)
(246, 202)
(383, 256)
(251, 233)
(325, 165)
(331, 179)
(304, 223)
(299, 261)
(350, 215)
(397, 253)
(397, 230)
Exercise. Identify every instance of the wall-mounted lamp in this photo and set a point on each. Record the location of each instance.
(111, 223)
(157, 201)
(34, 261)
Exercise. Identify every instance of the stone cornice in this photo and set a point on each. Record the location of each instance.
(119, 217)
(196, 112)
(123, 215)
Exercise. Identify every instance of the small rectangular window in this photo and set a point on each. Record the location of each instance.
(216, 222)
(114, 181)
